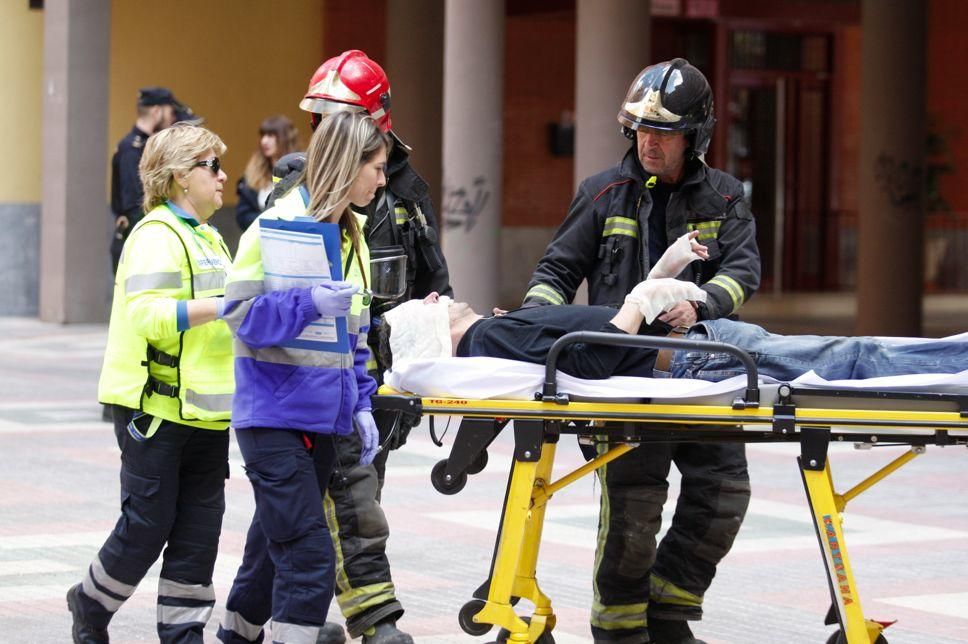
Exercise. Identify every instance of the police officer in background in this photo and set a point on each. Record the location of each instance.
(618, 226)
(157, 109)
(400, 220)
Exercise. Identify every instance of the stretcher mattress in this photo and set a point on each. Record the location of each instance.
(499, 379)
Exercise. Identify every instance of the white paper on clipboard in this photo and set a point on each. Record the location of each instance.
(299, 259)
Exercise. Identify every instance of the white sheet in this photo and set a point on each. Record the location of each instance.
(496, 378)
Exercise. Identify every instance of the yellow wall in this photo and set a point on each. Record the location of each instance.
(22, 72)
(233, 61)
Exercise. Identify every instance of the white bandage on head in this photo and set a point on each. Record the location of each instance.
(419, 330)
(675, 259)
(653, 296)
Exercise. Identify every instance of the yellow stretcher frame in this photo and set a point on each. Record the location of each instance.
(539, 424)
(811, 417)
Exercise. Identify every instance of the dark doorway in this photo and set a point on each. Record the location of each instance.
(778, 125)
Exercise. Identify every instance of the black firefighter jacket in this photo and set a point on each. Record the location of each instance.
(604, 239)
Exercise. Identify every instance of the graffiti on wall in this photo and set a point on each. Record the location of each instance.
(463, 205)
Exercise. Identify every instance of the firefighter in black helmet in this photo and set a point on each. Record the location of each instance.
(620, 222)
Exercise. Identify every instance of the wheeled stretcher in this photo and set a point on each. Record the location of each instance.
(758, 412)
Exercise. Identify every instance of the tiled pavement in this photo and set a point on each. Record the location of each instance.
(908, 537)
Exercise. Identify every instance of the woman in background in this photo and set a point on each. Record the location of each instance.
(277, 137)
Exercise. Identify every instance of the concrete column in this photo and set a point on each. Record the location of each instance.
(890, 269)
(415, 65)
(73, 248)
(612, 47)
(472, 157)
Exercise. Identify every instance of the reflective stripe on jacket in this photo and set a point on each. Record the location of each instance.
(185, 377)
(281, 386)
(605, 239)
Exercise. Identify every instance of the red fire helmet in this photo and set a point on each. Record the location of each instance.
(351, 78)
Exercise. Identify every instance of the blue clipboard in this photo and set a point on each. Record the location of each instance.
(331, 238)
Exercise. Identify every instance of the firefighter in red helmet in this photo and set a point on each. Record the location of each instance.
(351, 79)
(400, 223)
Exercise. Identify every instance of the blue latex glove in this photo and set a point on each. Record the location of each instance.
(369, 435)
(334, 298)
(219, 307)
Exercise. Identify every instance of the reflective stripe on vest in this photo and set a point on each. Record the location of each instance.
(401, 215)
(209, 281)
(707, 229)
(152, 281)
(546, 293)
(621, 226)
(295, 357)
(732, 288)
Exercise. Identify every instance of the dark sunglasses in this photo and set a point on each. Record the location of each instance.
(212, 164)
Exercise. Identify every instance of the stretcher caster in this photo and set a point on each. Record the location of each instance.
(838, 637)
(444, 484)
(466, 618)
(478, 465)
(545, 638)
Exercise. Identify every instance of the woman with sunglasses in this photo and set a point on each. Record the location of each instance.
(167, 374)
(292, 397)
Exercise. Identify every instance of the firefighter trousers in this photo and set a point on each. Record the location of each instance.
(172, 499)
(633, 577)
(365, 590)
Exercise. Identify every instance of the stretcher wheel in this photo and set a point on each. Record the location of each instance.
(838, 637)
(546, 637)
(441, 484)
(466, 618)
(479, 464)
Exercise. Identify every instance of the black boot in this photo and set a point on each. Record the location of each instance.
(671, 631)
(81, 631)
(386, 632)
(331, 633)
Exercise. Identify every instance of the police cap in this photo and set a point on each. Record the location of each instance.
(148, 96)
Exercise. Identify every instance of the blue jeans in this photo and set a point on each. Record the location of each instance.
(784, 357)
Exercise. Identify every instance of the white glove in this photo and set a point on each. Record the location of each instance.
(653, 296)
(680, 254)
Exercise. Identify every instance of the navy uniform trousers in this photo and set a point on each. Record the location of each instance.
(172, 499)
(288, 567)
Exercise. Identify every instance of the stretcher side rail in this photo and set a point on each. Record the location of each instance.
(960, 401)
(549, 391)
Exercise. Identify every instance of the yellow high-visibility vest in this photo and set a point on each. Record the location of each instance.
(185, 377)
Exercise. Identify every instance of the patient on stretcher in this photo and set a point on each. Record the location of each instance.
(436, 327)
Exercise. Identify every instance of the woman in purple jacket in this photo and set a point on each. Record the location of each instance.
(292, 397)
